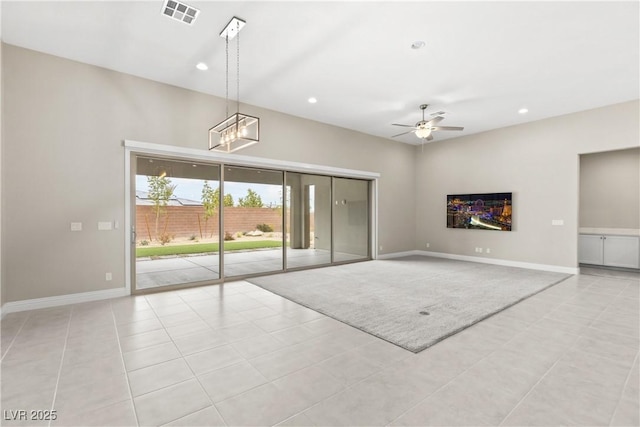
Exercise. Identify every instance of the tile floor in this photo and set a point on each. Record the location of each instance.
(235, 354)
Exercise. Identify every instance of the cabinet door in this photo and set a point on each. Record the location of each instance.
(590, 249)
(621, 251)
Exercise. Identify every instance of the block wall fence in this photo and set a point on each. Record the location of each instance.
(187, 221)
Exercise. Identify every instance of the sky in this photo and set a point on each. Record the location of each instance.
(192, 189)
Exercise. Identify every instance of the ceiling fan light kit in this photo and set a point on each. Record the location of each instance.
(424, 128)
(423, 132)
(238, 130)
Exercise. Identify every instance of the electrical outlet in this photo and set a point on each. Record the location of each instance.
(108, 277)
(480, 250)
(428, 244)
(380, 247)
(488, 250)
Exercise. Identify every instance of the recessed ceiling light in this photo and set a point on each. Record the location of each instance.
(523, 111)
(312, 100)
(202, 66)
(418, 44)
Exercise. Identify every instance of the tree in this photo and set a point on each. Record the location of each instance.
(210, 203)
(228, 200)
(252, 200)
(160, 191)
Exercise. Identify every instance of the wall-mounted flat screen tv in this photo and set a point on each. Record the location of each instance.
(489, 211)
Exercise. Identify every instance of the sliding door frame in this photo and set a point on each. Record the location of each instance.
(131, 263)
(133, 149)
(284, 189)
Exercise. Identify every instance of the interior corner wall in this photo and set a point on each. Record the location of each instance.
(539, 163)
(2, 282)
(64, 126)
(610, 189)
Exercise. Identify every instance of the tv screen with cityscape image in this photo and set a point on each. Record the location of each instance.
(489, 211)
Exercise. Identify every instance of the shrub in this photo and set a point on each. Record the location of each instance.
(265, 228)
(239, 234)
(228, 236)
(165, 238)
(193, 237)
(144, 243)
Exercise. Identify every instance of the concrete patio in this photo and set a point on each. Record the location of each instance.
(153, 273)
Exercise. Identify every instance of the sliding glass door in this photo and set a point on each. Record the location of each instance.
(199, 223)
(176, 223)
(252, 221)
(351, 209)
(308, 220)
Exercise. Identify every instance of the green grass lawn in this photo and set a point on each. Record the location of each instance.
(197, 248)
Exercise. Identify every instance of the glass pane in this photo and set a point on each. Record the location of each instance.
(252, 221)
(350, 219)
(177, 231)
(308, 220)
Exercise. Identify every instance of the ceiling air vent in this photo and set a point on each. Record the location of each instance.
(180, 11)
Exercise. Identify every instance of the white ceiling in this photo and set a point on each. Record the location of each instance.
(482, 62)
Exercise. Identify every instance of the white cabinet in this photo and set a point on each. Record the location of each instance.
(621, 251)
(590, 249)
(609, 250)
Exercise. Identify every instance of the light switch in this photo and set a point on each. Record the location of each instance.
(557, 222)
(104, 225)
(76, 226)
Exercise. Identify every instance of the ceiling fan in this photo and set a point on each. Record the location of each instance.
(424, 128)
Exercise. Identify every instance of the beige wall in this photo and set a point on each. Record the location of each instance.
(64, 124)
(539, 163)
(2, 282)
(610, 189)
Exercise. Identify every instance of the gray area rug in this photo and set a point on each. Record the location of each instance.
(386, 297)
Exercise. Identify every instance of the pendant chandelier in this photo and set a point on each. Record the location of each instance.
(238, 130)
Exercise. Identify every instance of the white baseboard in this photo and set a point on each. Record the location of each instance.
(38, 303)
(504, 262)
(398, 254)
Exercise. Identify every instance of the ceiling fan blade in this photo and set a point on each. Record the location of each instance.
(447, 128)
(435, 120)
(403, 133)
(406, 126)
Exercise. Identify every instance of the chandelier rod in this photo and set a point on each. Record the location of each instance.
(226, 96)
